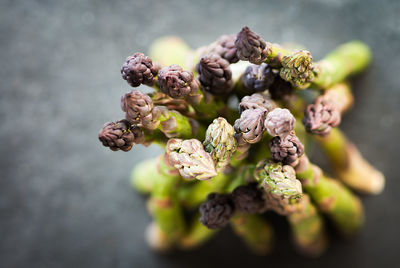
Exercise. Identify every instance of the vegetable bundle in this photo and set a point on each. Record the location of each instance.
(236, 119)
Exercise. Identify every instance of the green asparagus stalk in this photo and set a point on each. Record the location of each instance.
(348, 59)
(248, 199)
(350, 165)
(167, 211)
(331, 197)
(170, 50)
(307, 225)
(255, 231)
(242, 176)
(196, 235)
(144, 175)
(218, 210)
(194, 194)
(283, 194)
(157, 239)
(340, 95)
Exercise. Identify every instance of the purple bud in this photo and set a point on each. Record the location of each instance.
(139, 69)
(177, 83)
(137, 106)
(279, 122)
(214, 74)
(321, 116)
(120, 135)
(251, 47)
(250, 126)
(216, 211)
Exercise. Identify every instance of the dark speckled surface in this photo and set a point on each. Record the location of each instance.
(65, 201)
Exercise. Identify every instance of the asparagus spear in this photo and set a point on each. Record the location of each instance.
(139, 109)
(255, 231)
(330, 196)
(251, 47)
(167, 211)
(221, 145)
(351, 166)
(283, 194)
(144, 175)
(297, 67)
(196, 235)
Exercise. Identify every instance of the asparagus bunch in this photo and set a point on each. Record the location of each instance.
(226, 164)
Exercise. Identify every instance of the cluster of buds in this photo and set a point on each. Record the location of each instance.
(233, 164)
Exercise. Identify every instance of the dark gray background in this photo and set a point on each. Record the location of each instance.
(65, 201)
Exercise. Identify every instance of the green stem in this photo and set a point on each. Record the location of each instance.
(144, 175)
(196, 235)
(308, 229)
(157, 239)
(195, 193)
(331, 197)
(351, 167)
(167, 211)
(242, 176)
(255, 231)
(277, 52)
(155, 137)
(348, 59)
(170, 50)
(174, 124)
(181, 128)
(340, 95)
(261, 151)
(208, 107)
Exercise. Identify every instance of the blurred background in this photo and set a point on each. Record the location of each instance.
(66, 201)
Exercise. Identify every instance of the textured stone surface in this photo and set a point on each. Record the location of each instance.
(66, 201)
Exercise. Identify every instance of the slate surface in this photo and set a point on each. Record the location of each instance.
(65, 201)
